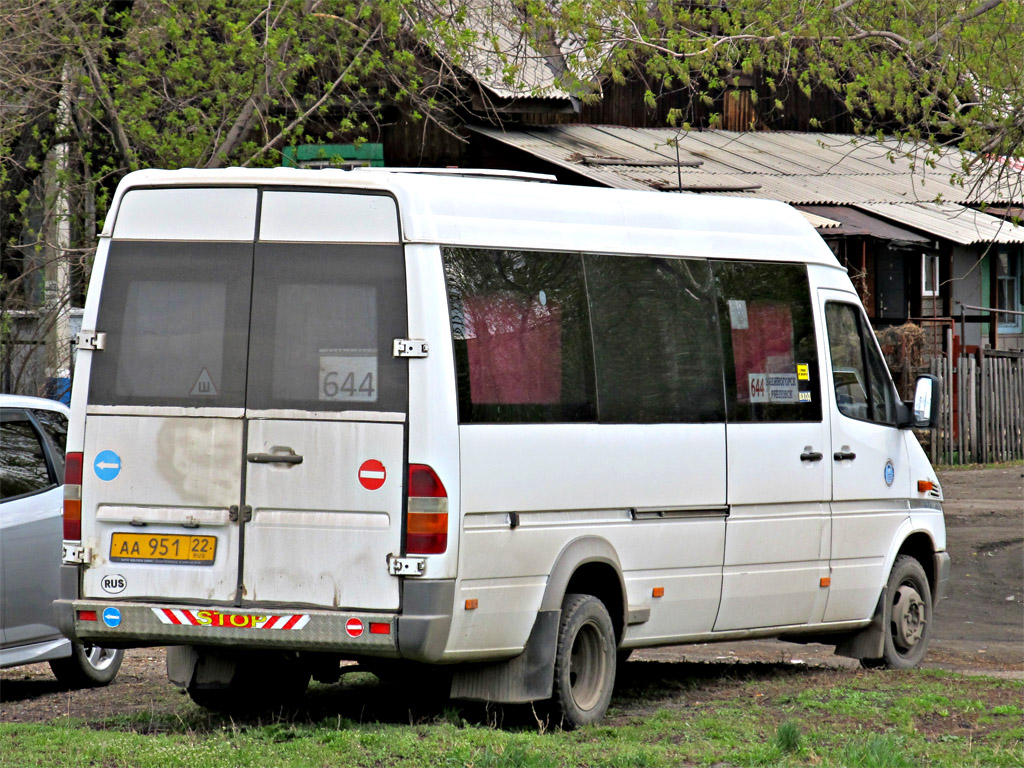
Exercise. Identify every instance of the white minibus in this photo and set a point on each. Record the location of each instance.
(502, 427)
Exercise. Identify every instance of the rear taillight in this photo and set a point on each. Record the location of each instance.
(73, 497)
(426, 530)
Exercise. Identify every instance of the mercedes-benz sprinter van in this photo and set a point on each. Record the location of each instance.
(481, 421)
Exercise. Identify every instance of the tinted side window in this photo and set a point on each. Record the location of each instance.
(863, 388)
(522, 336)
(656, 346)
(176, 317)
(771, 359)
(23, 466)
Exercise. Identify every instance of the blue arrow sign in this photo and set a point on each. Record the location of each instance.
(107, 465)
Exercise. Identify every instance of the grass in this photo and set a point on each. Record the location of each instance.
(662, 715)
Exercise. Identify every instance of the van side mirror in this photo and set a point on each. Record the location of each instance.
(923, 411)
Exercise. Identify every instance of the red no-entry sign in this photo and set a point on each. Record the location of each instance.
(372, 474)
(354, 627)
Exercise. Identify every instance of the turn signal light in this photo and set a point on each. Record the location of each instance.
(426, 522)
(923, 486)
(73, 497)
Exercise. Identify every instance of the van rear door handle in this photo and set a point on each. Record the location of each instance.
(811, 456)
(286, 456)
(844, 455)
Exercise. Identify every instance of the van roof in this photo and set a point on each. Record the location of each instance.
(503, 209)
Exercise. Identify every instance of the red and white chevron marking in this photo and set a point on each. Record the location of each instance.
(210, 618)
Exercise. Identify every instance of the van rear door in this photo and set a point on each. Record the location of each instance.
(326, 403)
(245, 397)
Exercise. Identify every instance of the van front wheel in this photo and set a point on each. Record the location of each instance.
(584, 662)
(908, 615)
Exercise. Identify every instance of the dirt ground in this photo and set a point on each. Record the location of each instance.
(979, 625)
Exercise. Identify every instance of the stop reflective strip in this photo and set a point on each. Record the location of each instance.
(199, 618)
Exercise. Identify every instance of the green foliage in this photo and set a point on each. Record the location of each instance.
(787, 737)
(756, 719)
(876, 752)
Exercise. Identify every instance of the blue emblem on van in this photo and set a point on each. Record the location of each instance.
(107, 466)
(111, 617)
(890, 472)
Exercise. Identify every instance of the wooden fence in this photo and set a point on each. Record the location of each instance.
(982, 417)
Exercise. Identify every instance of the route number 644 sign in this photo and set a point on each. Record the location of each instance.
(348, 375)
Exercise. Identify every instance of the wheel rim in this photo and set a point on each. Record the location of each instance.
(908, 617)
(587, 664)
(99, 658)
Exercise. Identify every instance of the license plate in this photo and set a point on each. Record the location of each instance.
(172, 549)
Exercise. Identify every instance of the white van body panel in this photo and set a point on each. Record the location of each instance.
(456, 211)
(564, 481)
(433, 409)
(305, 515)
(187, 477)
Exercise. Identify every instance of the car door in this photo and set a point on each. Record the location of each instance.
(777, 532)
(31, 501)
(870, 476)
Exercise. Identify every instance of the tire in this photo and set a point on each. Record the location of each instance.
(88, 666)
(584, 662)
(261, 683)
(907, 617)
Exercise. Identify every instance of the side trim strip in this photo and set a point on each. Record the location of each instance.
(677, 513)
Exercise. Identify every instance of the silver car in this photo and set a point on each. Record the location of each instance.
(33, 433)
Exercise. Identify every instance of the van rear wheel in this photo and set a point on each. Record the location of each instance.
(584, 662)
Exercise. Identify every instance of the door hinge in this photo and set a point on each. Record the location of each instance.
(406, 566)
(91, 340)
(73, 553)
(411, 348)
(244, 513)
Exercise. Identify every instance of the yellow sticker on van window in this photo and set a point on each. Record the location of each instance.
(803, 372)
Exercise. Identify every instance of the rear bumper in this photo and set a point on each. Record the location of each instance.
(127, 624)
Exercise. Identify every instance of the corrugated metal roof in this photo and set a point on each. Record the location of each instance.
(797, 168)
(850, 221)
(898, 182)
(949, 221)
(820, 222)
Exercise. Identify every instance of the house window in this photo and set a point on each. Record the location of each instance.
(1008, 275)
(929, 274)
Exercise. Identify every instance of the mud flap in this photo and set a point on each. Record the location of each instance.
(868, 643)
(187, 666)
(527, 677)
